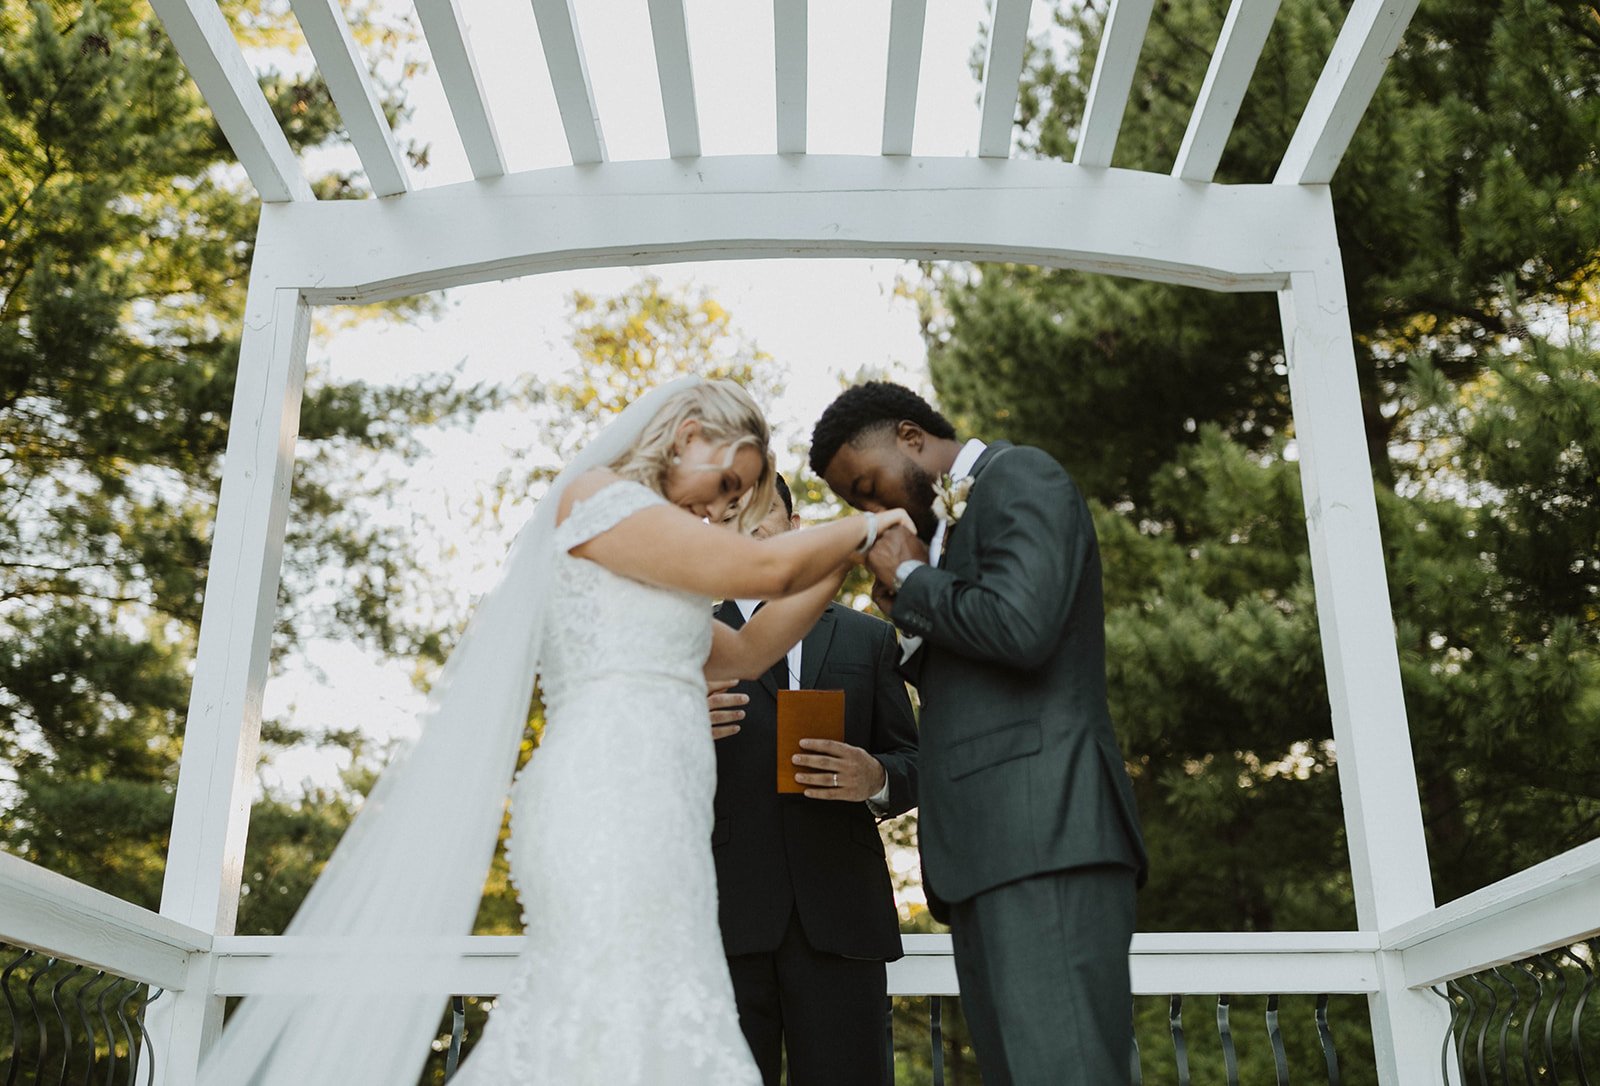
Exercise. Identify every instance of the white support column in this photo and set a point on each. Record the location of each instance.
(1377, 779)
(211, 53)
(791, 50)
(907, 21)
(1244, 35)
(446, 32)
(345, 72)
(1112, 81)
(216, 778)
(1369, 37)
(1002, 69)
(569, 75)
(669, 28)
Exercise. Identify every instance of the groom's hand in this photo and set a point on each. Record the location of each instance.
(725, 707)
(893, 547)
(839, 771)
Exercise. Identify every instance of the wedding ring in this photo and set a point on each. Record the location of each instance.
(836, 780)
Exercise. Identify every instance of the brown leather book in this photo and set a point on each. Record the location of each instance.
(805, 714)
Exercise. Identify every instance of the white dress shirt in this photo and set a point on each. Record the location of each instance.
(879, 800)
(959, 470)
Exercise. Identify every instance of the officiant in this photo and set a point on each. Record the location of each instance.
(807, 910)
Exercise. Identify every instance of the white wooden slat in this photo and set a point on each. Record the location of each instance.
(907, 21)
(669, 27)
(1002, 70)
(1112, 81)
(446, 31)
(216, 776)
(1121, 222)
(1377, 773)
(1383, 815)
(1554, 903)
(569, 75)
(211, 53)
(1244, 35)
(790, 58)
(342, 68)
(1369, 37)
(59, 916)
(1162, 963)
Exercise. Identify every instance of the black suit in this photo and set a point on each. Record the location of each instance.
(806, 906)
(1030, 840)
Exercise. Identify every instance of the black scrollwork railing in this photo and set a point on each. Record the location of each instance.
(931, 1046)
(1531, 1021)
(66, 1024)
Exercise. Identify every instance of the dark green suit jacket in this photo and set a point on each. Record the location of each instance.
(1020, 773)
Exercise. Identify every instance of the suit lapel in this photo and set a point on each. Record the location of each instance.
(729, 613)
(814, 649)
(990, 451)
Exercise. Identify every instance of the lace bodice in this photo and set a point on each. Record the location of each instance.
(600, 622)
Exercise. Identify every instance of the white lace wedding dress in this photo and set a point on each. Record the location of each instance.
(623, 980)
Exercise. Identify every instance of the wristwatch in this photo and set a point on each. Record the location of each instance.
(906, 569)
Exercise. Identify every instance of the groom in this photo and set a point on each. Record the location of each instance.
(1031, 848)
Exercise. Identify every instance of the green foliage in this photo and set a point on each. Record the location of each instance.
(125, 244)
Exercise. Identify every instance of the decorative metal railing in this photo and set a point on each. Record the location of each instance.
(66, 1024)
(941, 1047)
(1532, 1021)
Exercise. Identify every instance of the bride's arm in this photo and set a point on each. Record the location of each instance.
(667, 546)
(748, 652)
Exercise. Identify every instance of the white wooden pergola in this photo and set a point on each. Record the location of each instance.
(1179, 228)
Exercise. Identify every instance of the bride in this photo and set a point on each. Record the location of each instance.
(623, 979)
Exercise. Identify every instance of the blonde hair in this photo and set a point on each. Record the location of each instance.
(727, 415)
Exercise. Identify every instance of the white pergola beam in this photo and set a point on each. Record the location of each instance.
(790, 61)
(1244, 35)
(1255, 963)
(211, 53)
(342, 68)
(569, 75)
(1002, 71)
(1369, 37)
(446, 31)
(670, 29)
(1112, 81)
(1377, 776)
(907, 21)
(216, 776)
(63, 918)
(1554, 903)
(1121, 222)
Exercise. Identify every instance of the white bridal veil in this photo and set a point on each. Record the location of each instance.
(411, 868)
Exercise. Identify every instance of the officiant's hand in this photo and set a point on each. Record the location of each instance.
(839, 771)
(893, 547)
(725, 707)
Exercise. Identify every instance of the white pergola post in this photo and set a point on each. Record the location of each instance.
(1377, 778)
(216, 778)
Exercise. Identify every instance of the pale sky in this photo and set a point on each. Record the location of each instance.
(821, 319)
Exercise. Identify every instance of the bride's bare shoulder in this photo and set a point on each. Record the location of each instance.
(584, 486)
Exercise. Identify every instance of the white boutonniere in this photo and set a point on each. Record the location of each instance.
(950, 499)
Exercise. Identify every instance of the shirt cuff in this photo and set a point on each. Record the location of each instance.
(909, 645)
(879, 800)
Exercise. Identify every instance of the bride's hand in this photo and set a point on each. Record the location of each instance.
(895, 518)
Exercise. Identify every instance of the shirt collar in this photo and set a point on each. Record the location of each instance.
(747, 607)
(967, 457)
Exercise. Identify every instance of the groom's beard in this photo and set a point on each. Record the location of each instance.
(918, 482)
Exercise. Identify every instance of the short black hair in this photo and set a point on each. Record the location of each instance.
(783, 492)
(871, 406)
